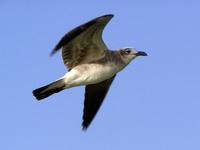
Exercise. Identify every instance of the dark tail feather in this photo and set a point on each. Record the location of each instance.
(49, 89)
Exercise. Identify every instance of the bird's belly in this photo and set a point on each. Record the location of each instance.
(93, 73)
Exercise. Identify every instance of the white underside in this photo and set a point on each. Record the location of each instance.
(89, 74)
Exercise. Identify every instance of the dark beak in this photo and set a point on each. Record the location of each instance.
(141, 53)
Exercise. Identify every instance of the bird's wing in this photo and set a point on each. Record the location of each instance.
(94, 96)
(84, 43)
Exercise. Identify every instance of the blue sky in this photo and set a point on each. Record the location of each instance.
(153, 104)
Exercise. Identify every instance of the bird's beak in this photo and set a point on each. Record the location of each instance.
(141, 53)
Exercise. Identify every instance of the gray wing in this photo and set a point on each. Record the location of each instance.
(84, 43)
(94, 96)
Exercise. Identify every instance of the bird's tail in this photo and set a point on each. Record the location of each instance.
(49, 89)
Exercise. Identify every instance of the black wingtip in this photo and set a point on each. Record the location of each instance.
(107, 17)
(53, 51)
(85, 126)
(84, 129)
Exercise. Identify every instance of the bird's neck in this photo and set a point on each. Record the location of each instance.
(115, 58)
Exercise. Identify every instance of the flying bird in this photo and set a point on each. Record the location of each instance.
(90, 63)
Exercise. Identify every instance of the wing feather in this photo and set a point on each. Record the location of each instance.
(94, 96)
(84, 43)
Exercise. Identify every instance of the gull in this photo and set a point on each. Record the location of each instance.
(90, 63)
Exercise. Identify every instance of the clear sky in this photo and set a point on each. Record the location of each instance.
(154, 104)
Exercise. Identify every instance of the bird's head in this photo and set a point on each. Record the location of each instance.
(128, 54)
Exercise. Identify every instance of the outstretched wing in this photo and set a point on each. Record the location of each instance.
(84, 43)
(94, 96)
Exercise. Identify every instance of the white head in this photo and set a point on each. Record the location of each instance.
(129, 54)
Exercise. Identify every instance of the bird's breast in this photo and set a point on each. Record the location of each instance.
(94, 73)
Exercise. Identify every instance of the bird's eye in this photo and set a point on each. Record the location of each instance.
(127, 51)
